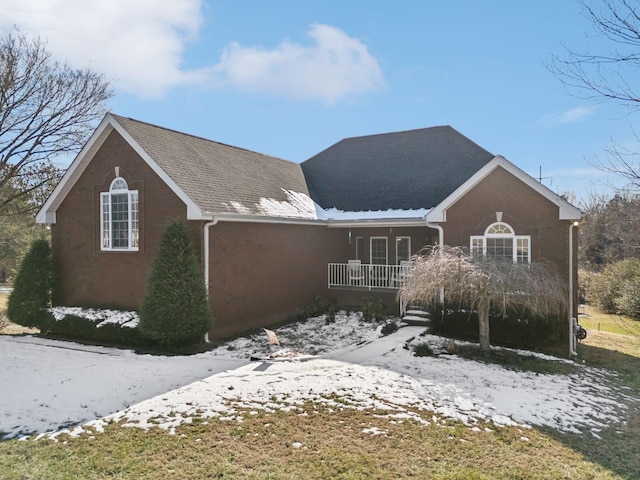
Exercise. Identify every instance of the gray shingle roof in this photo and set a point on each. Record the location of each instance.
(221, 178)
(403, 170)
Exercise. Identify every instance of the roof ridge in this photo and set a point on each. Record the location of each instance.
(381, 134)
(198, 137)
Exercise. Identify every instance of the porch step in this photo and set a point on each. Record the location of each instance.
(417, 317)
(418, 312)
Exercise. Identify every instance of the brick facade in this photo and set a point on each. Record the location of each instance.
(262, 272)
(528, 212)
(88, 275)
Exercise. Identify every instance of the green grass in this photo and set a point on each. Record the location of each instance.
(597, 321)
(333, 444)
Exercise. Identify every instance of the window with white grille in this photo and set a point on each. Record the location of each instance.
(120, 222)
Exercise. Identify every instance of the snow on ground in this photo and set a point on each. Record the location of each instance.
(50, 385)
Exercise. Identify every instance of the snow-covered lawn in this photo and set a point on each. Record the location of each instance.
(50, 385)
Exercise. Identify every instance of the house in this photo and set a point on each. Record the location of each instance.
(272, 234)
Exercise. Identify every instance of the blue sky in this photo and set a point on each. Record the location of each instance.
(290, 78)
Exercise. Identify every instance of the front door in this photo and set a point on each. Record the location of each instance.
(379, 257)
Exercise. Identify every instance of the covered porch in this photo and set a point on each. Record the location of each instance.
(357, 275)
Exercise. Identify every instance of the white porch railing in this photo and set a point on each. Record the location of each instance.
(367, 276)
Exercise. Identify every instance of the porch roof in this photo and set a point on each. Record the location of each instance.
(398, 217)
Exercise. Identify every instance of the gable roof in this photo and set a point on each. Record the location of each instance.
(413, 169)
(210, 177)
(566, 211)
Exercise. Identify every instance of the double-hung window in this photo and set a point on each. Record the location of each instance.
(120, 224)
(500, 242)
(379, 251)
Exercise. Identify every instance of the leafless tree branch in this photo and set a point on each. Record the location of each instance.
(47, 109)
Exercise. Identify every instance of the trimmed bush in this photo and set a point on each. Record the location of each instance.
(31, 294)
(389, 328)
(175, 311)
(79, 328)
(423, 350)
(511, 330)
(372, 310)
(321, 306)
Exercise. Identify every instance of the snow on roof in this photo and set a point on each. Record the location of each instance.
(336, 214)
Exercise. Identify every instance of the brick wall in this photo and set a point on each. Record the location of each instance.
(528, 212)
(261, 273)
(89, 276)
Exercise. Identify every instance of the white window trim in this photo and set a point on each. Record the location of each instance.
(514, 238)
(130, 230)
(386, 248)
(397, 256)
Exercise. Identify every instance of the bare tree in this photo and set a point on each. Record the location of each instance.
(610, 75)
(622, 160)
(611, 232)
(484, 285)
(47, 110)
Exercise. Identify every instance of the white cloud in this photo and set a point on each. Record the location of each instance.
(334, 67)
(572, 115)
(140, 43)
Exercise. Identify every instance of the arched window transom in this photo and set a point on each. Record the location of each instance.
(120, 225)
(499, 228)
(500, 242)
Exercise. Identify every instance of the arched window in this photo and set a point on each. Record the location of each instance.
(119, 228)
(500, 242)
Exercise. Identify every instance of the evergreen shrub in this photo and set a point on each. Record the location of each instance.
(31, 294)
(175, 311)
(79, 328)
(511, 330)
(389, 328)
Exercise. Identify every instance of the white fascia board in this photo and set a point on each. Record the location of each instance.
(47, 213)
(240, 218)
(566, 211)
(193, 211)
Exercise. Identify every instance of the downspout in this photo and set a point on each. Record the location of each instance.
(440, 244)
(572, 320)
(440, 232)
(207, 226)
